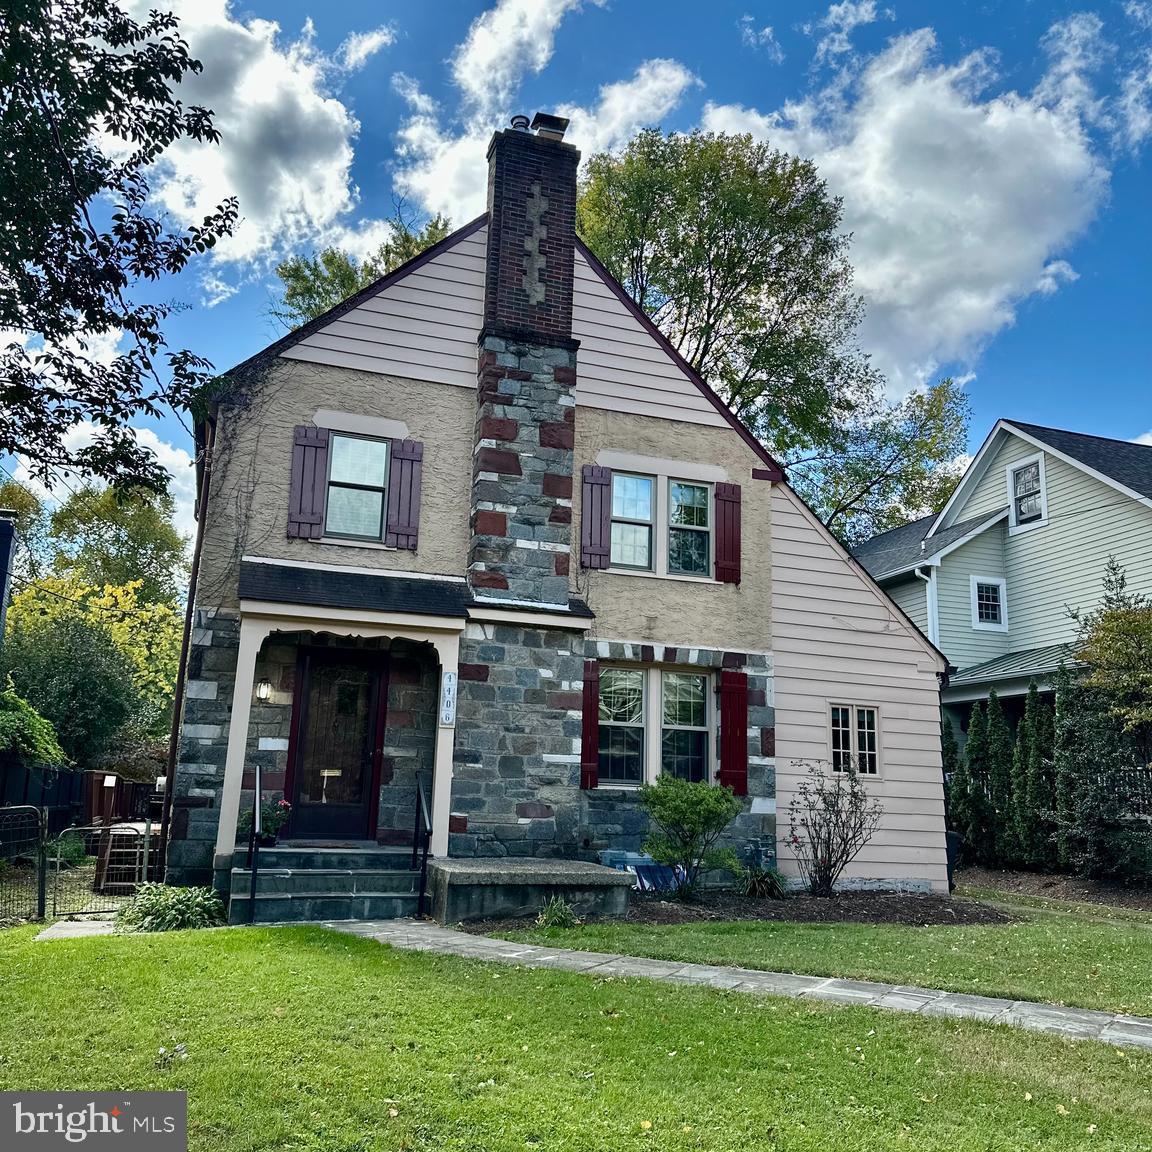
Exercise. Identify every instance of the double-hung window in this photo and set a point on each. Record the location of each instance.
(654, 720)
(659, 525)
(689, 534)
(633, 515)
(989, 609)
(855, 730)
(357, 487)
(1026, 496)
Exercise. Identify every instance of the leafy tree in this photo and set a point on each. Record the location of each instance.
(1007, 844)
(32, 527)
(89, 107)
(313, 284)
(24, 733)
(118, 537)
(736, 251)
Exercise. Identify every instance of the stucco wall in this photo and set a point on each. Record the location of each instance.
(248, 508)
(671, 611)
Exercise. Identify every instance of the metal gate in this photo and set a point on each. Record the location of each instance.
(21, 863)
(98, 867)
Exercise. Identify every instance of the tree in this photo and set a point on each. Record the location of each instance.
(1033, 785)
(887, 463)
(25, 734)
(978, 831)
(735, 251)
(32, 527)
(1007, 845)
(119, 536)
(313, 284)
(89, 107)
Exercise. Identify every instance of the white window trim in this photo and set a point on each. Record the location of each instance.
(983, 625)
(853, 706)
(653, 721)
(1015, 466)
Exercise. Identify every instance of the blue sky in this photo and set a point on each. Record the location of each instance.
(992, 156)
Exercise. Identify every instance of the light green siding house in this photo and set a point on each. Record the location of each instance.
(993, 579)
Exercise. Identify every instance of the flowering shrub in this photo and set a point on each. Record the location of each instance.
(273, 816)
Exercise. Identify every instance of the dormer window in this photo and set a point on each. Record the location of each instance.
(1027, 499)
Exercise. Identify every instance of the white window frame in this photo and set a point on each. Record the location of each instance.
(329, 483)
(983, 625)
(653, 524)
(854, 707)
(654, 720)
(1010, 470)
(709, 531)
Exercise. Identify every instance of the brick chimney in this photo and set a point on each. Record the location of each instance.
(521, 513)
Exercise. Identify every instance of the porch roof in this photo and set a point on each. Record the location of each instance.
(1031, 662)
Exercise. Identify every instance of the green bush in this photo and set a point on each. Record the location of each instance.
(558, 913)
(69, 849)
(690, 818)
(24, 732)
(760, 883)
(160, 908)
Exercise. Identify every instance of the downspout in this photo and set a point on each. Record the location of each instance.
(933, 602)
(185, 644)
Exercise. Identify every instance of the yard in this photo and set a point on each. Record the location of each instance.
(297, 1038)
(1082, 955)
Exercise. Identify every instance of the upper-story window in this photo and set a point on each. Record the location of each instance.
(689, 529)
(684, 519)
(633, 514)
(357, 487)
(1027, 498)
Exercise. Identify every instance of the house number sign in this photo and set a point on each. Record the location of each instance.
(448, 700)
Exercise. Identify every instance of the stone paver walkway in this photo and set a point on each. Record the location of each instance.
(1073, 1023)
(70, 929)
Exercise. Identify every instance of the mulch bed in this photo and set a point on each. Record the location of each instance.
(844, 908)
(1057, 888)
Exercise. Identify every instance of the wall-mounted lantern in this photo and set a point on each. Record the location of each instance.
(264, 690)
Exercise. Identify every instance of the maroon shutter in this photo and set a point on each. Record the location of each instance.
(595, 517)
(590, 730)
(403, 528)
(734, 731)
(309, 482)
(727, 498)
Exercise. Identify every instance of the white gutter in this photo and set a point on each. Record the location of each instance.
(933, 602)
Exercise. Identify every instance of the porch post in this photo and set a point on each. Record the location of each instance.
(448, 649)
(252, 633)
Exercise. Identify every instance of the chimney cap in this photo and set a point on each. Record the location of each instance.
(519, 122)
(549, 126)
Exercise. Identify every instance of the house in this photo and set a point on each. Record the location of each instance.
(1024, 539)
(480, 535)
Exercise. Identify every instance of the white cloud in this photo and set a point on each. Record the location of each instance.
(760, 38)
(360, 47)
(1076, 50)
(961, 203)
(838, 24)
(1145, 438)
(1135, 104)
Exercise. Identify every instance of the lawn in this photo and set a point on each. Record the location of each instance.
(297, 1038)
(1087, 957)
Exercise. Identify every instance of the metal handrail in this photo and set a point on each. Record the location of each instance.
(421, 841)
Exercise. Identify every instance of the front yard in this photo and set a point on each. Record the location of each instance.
(297, 1038)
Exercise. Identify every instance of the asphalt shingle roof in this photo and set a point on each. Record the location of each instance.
(905, 547)
(1120, 460)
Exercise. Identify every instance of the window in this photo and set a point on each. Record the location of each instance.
(632, 517)
(357, 487)
(989, 608)
(688, 528)
(855, 738)
(1027, 498)
(654, 720)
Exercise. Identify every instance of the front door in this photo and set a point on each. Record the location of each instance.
(334, 768)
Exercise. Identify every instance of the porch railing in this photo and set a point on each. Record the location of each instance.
(421, 841)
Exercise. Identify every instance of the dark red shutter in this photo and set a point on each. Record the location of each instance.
(308, 491)
(403, 527)
(727, 497)
(595, 517)
(590, 730)
(734, 731)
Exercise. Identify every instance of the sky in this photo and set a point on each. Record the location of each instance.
(992, 157)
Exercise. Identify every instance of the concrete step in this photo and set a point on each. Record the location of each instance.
(287, 906)
(296, 856)
(349, 881)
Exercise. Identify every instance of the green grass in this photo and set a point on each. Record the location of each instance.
(302, 1039)
(1100, 958)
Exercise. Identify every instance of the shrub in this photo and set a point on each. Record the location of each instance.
(25, 733)
(832, 819)
(690, 818)
(70, 849)
(760, 883)
(556, 912)
(159, 908)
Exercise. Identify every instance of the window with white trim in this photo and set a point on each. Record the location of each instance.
(357, 487)
(655, 720)
(661, 525)
(855, 738)
(1027, 497)
(989, 603)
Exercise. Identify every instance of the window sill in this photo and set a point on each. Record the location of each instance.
(990, 628)
(621, 791)
(1016, 529)
(343, 542)
(676, 576)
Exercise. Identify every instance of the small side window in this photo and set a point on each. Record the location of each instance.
(989, 610)
(855, 738)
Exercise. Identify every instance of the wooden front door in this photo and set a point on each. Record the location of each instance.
(334, 765)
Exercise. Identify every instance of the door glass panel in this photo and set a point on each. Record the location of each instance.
(335, 758)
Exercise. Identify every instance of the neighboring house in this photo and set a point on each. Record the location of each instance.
(480, 529)
(1024, 539)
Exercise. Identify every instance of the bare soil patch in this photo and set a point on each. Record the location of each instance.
(1051, 887)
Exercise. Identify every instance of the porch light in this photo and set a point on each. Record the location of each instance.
(264, 690)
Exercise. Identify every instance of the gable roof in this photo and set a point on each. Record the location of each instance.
(905, 548)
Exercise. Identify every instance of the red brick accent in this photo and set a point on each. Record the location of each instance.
(534, 810)
(269, 781)
(767, 741)
(734, 659)
(573, 701)
(561, 514)
(498, 460)
(400, 719)
(457, 822)
(404, 672)
(473, 671)
(394, 838)
(485, 359)
(564, 375)
(491, 524)
(554, 435)
(563, 564)
(498, 428)
(647, 654)
(556, 485)
(521, 374)
(757, 698)
(671, 655)
(486, 579)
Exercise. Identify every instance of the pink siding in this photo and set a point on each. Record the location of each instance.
(836, 638)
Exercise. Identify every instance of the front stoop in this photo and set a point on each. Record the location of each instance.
(296, 882)
(489, 888)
